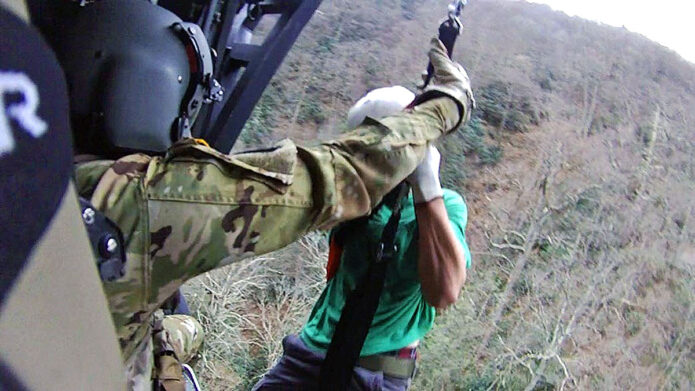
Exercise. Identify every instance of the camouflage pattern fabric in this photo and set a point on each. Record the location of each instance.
(176, 339)
(184, 335)
(196, 209)
(139, 367)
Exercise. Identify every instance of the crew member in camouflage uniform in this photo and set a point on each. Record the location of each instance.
(195, 209)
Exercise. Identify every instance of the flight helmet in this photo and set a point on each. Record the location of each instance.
(137, 75)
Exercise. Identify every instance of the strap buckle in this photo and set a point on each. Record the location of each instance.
(402, 368)
(382, 253)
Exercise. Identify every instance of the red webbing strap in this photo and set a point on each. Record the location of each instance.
(335, 251)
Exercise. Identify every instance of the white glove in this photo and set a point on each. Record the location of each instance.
(425, 179)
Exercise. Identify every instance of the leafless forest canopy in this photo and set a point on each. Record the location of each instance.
(578, 171)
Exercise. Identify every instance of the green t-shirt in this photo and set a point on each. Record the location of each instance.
(403, 316)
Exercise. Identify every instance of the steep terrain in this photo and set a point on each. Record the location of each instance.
(578, 170)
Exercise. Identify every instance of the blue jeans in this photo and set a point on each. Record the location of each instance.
(299, 369)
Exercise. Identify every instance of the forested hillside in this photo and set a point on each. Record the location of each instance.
(578, 168)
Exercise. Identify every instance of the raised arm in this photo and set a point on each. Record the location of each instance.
(209, 208)
(196, 209)
(441, 259)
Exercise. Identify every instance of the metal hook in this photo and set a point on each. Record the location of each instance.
(454, 11)
(254, 11)
(455, 8)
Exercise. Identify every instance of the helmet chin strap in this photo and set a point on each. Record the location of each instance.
(202, 88)
(138, 78)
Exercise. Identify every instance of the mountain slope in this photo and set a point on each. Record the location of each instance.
(578, 170)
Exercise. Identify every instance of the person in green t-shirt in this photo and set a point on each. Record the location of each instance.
(427, 274)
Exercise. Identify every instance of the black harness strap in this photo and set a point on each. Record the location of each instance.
(361, 305)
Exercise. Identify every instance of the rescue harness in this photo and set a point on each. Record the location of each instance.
(360, 307)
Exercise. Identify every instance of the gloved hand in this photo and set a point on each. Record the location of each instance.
(425, 179)
(449, 79)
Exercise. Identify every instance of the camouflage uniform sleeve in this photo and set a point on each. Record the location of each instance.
(196, 209)
(205, 207)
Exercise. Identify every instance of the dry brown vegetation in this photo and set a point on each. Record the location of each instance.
(578, 170)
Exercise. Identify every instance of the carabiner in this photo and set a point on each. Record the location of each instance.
(454, 11)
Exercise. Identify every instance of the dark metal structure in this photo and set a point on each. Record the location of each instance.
(242, 68)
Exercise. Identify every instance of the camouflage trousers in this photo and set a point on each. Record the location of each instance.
(156, 364)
